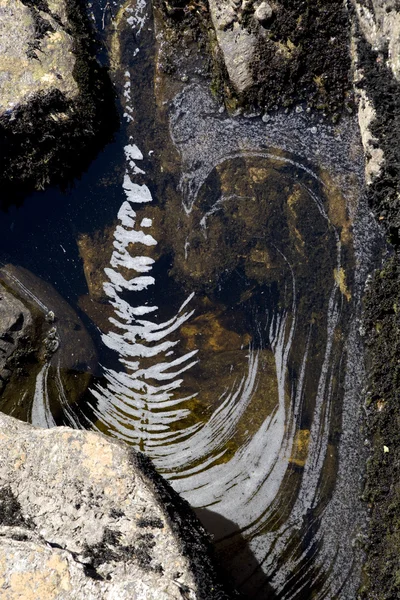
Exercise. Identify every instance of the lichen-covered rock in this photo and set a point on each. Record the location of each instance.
(82, 517)
(56, 102)
(35, 52)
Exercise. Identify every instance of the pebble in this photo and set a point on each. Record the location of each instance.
(264, 12)
(313, 130)
(52, 333)
(266, 118)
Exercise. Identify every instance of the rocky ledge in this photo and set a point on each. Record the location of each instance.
(83, 517)
(56, 102)
(266, 55)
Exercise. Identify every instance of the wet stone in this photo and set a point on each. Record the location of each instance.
(85, 517)
(47, 358)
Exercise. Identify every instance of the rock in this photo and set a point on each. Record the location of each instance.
(236, 44)
(15, 325)
(55, 100)
(83, 517)
(46, 354)
(376, 76)
(374, 157)
(380, 24)
(227, 17)
(271, 52)
(35, 52)
(264, 12)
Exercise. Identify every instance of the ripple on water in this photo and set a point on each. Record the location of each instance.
(234, 306)
(237, 384)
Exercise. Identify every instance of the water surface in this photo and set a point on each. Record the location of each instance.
(218, 263)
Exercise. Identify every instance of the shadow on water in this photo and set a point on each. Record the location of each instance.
(229, 542)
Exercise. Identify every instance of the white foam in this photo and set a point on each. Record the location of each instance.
(141, 264)
(41, 414)
(136, 193)
(126, 237)
(127, 215)
(119, 283)
(132, 152)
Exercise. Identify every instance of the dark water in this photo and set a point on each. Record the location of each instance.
(226, 321)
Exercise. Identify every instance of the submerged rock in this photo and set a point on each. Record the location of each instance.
(83, 517)
(15, 324)
(54, 96)
(47, 358)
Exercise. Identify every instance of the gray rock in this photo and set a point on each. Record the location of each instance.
(15, 323)
(54, 96)
(236, 44)
(264, 12)
(82, 517)
(32, 62)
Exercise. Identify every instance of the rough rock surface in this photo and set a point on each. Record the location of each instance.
(84, 518)
(374, 157)
(270, 55)
(56, 102)
(382, 490)
(237, 44)
(35, 52)
(377, 74)
(376, 44)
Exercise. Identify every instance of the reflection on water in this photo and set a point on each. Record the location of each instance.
(236, 394)
(228, 296)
